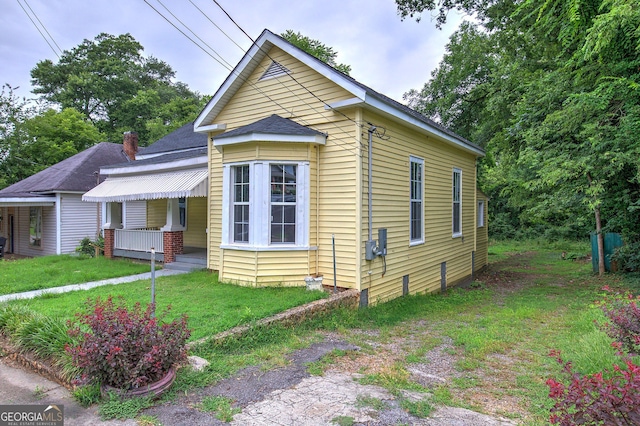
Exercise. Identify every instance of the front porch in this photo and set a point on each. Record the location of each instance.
(172, 228)
(138, 243)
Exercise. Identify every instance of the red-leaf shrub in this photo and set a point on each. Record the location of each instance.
(594, 399)
(127, 348)
(624, 320)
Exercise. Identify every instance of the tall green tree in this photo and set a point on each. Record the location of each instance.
(117, 88)
(316, 48)
(32, 142)
(554, 99)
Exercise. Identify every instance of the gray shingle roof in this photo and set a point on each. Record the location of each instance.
(387, 100)
(273, 125)
(160, 159)
(182, 138)
(76, 173)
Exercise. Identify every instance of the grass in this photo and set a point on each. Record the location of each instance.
(211, 306)
(502, 330)
(54, 271)
(221, 406)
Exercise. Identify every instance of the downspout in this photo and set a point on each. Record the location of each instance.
(370, 178)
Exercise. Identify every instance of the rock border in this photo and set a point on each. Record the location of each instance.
(349, 298)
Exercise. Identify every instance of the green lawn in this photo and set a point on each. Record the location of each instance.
(502, 329)
(211, 306)
(54, 271)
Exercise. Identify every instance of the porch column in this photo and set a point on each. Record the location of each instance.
(172, 236)
(113, 222)
(173, 245)
(109, 240)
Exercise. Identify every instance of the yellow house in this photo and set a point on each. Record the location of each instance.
(312, 172)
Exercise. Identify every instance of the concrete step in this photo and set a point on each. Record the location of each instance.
(184, 266)
(185, 258)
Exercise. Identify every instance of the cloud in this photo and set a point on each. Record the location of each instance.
(384, 52)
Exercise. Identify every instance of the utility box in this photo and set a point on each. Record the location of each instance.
(611, 242)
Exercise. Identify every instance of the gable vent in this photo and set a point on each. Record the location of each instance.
(274, 70)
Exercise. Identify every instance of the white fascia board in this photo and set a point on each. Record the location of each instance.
(315, 64)
(28, 201)
(389, 110)
(210, 128)
(262, 137)
(158, 154)
(154, 168)
(351, 102)
(233, 82)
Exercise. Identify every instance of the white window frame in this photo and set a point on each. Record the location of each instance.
(480, 213)
(456, 193)
(420, 163)
(260, 207)
(234, 203)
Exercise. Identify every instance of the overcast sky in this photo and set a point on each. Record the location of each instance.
(385, 53)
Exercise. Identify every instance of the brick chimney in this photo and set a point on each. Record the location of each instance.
(130, 144)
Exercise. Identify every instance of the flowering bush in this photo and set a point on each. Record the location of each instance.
(594, 399)
(623, 314)
(126, 348)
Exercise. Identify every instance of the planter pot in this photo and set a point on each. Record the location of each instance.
(313, 283)
(152, 390)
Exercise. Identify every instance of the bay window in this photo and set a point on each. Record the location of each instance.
(265, 205)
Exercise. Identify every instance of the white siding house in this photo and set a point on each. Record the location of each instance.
(44, 213)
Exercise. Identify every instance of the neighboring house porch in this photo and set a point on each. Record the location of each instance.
(158, 202)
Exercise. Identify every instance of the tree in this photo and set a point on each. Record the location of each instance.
(314, 47)
(108, 79)
(42, 140)
(13, 112)
(554, 98)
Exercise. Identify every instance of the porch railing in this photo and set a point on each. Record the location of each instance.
(139, 239)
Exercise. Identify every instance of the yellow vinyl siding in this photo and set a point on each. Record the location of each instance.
(282, 95)
(195, 234)
(267, 151)
(267, 268)
(421, 262)
(156, 213)
(332, 169)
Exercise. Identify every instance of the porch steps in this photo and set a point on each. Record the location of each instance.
(187, 262)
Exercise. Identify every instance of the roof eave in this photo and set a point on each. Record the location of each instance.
(27, 201)
(393, 112)
(259, 137)
(193, 162)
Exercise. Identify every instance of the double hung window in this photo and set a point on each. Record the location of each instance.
(457, 202)
(416, 227)
(241, 203)
(480, 213)
(283, 203)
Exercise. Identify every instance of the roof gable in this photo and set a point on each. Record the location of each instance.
(362, 95)
(75, 174)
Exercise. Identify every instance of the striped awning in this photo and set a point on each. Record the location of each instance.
(186, 183)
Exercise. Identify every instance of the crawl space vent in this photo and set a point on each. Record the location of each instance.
(274, 70)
